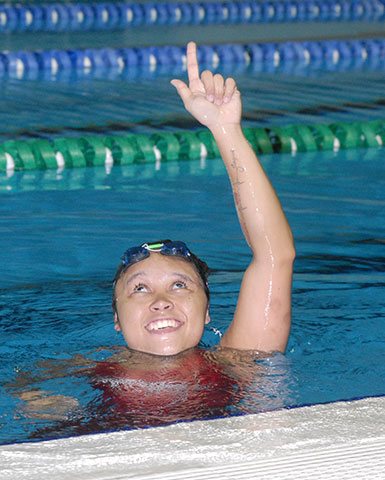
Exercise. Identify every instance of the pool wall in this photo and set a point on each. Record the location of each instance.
(343, 440)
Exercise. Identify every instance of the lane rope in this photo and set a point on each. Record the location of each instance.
(89, 151)
(330, 54)
(97, 16)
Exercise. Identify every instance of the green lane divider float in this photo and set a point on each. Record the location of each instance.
(92, 150)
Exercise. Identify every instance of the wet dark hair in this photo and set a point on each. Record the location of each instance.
(200, 266)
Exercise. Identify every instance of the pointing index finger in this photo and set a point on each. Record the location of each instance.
(192, 63)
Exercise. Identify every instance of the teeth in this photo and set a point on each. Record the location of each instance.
(159, 324)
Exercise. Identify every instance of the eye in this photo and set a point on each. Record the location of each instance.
(140, 288)
(179, 284)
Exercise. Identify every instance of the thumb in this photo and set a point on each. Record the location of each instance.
(183, 90)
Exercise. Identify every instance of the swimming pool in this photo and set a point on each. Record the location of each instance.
(65, 230)
(55, 292)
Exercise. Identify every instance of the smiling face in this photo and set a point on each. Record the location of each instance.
(161, 305)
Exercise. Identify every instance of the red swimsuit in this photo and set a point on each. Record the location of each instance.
(196, 388)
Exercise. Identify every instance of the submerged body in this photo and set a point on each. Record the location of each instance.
(193, 385)
(131, 391)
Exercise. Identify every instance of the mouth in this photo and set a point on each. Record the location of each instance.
(163, 325)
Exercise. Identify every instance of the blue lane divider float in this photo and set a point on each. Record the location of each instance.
(329, 53)
(120, 15)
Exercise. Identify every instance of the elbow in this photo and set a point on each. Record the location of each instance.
(286, 259)
(277, 251)
(289, 252)
(285, 253)
(281, 258)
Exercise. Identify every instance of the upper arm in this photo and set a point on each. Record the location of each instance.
(263, 313)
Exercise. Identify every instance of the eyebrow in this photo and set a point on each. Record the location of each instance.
(184, 277)
(142, 273)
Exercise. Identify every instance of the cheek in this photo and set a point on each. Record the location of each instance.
(196, 308)
(128, 315)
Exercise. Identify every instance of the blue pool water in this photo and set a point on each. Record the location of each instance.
(89, 104)
(62, 235)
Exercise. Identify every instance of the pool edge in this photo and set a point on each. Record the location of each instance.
(339, 440)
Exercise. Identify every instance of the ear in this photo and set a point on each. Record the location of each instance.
(117, 323)
(207, 319)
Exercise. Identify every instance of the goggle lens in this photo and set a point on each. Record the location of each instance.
(136, 254)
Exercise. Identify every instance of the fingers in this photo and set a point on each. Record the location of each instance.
(183, 90)
(213, 87)
(230, 88)
(208, 82)
(218, 90)
(219, 85)
(192, 63)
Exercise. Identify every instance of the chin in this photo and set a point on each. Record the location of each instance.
(168, 351)
(164, 350)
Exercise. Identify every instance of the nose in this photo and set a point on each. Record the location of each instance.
(161, 303)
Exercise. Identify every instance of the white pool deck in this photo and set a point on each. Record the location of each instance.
(344, 440)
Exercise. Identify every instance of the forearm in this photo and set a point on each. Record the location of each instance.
(259, 210)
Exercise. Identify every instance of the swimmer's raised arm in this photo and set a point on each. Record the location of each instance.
(262, 317)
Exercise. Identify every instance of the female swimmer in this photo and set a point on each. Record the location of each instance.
(161, 296)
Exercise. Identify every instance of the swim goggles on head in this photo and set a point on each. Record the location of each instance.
(165, 247)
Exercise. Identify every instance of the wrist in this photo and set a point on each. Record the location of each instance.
(226, 131)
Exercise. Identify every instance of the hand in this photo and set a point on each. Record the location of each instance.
(213, 101)
(39, 404)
